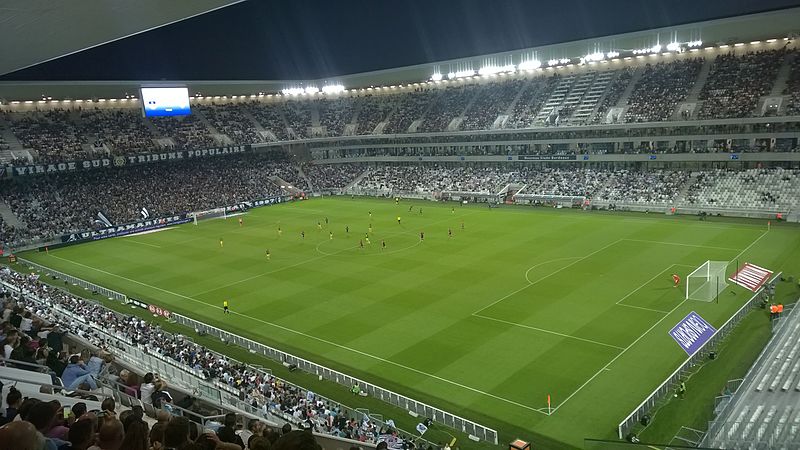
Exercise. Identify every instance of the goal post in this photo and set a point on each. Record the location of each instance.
(707, 281)
(209, 214)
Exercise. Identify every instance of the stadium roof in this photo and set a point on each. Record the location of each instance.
(741, 30)
(35, 31)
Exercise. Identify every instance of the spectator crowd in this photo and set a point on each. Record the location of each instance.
(732, 88)
(57, 204)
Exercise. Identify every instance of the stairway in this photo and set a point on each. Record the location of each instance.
(471, 102)
(314, 112)
(783, 75)
(557, 97)
(8, 215)
(694, 92)
(584, 111)
(358, 179)
(197, 112)
(253, 120)
(623, 99)
(510, 111)
(7, 137)
(305, 178)
(153, 129)
(680, 198)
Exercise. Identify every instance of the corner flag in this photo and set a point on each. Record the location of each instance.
(548, 403)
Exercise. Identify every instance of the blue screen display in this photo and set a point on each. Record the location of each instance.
(173, 101)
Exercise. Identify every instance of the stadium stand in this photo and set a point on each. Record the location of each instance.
(372, 111)
(734, 87)
(335, 114)
(752, 188)
(50, 134)
(660, 89)
(792, 89)
(327, 177)
(493, 100)
(69, 203)
(123, 131)
(736, 83)
(410, 107)
(187, 132)
(231, 120)
(763, 412)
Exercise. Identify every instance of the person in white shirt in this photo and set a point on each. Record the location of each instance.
(147, 388)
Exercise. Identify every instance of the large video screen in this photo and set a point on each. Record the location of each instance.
(165, 101)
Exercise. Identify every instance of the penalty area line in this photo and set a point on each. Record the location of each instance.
(325, 341)
(531, 283)
(606, 367)
(556, 333)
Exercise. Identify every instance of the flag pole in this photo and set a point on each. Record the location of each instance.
(548, 404)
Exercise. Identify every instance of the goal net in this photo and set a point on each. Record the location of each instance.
(209, 214)
(707, 281)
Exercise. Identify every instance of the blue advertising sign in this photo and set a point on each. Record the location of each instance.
(692, 332)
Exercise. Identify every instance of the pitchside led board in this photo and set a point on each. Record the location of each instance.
(165, 101)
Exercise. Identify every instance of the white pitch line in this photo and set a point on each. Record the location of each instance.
(619, 302)
(549, 332)
(643, 335)
(133, 241)
(681, 244)
(325, 341)
(643, 308)
(531, 283)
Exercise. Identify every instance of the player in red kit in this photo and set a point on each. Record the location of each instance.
(676, 279)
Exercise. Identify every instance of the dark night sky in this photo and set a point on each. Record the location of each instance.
(304, 39)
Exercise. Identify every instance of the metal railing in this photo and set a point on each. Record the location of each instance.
(448, 419)
(108, 293)
(667, 386)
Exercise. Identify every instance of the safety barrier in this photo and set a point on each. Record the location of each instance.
(448, 419)
(108, 293)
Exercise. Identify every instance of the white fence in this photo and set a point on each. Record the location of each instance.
(668, 386)
(451, 420)
(108, 293)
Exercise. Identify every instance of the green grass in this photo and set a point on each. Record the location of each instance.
(520, 304)
(736, 355)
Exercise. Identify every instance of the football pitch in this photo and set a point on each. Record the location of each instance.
(518, 304)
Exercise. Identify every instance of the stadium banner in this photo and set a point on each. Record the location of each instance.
(692, 332)
(155, 223)
(126, 229)
(244, 206)
(125, 161)
(547, 157)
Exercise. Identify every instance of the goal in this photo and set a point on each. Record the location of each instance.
(209, 214)
(707, 281)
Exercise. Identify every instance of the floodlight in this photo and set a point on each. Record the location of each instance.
(530, 65)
